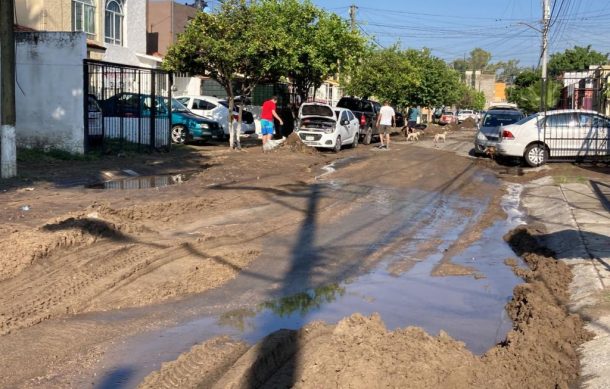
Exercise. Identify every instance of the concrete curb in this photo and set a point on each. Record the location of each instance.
(577, 222)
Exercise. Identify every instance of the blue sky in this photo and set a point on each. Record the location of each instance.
(452, 28)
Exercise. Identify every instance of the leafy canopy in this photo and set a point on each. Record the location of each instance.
(578, 58)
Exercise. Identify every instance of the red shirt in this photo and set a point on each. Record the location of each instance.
(268, 108)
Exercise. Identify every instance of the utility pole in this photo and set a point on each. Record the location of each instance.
(546, 15)
(352, 16)
(8, 150)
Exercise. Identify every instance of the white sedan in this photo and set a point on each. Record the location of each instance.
(217, 109)
(569, 134)
(320, 125)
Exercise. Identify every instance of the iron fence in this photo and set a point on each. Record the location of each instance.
(580, 129)
(126, 105)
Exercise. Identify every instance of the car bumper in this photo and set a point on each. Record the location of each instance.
(317, 139)
(481, 142)
(510, 149)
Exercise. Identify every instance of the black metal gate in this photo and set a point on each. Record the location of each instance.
(581, 130)
(126, 107)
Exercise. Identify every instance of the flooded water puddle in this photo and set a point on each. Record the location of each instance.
(400, 237)
(142, 182)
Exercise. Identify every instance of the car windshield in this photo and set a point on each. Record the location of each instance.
(316, 110)
(177, 106)
(500, 119)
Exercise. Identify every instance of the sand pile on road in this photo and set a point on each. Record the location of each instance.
(469, 123)
(359, 352)
(294, 143)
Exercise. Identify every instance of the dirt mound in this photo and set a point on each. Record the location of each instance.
(359, 352)
(469, 123)
(294, 143)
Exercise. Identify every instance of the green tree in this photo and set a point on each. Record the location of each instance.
(528, 97)
(578, 58)
(470, 98)
(509, 70)
(315, 42)
(228, 45)
(440, 85)
(386, 74)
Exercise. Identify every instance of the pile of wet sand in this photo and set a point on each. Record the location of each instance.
(294, 143)
(359, 352)
(469, 123)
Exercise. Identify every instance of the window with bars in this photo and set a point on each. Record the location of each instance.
(83, 16)
(114, 22)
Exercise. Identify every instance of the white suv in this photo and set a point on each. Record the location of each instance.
(571, 134)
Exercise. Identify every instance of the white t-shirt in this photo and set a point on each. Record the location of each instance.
(387, 113)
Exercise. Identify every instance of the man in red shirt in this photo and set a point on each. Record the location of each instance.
(267, 115)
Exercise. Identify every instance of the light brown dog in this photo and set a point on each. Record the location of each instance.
(414, 136)
(440, 136)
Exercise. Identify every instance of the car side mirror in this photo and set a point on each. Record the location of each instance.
(344, 122)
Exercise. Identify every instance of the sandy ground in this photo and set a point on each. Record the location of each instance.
(66, 250)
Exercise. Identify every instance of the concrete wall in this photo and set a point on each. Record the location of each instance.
(186, 86)
(168, 19)
(49, 91)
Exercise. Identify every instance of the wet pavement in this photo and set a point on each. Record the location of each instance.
(390, 238)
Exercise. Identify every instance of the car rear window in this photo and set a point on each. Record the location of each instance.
(351, 104)
(500, 119)
(316, 110)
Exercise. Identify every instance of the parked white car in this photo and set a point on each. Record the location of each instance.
(465, 114)
(569, 134)
(320, 125)
(218, 110)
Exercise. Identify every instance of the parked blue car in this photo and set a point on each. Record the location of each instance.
(185, 125)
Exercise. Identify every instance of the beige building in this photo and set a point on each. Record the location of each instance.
(115, 29)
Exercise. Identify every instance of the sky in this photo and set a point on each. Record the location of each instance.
(452, 28)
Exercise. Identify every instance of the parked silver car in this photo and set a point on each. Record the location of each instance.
(488, 134)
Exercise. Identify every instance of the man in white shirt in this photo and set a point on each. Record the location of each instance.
(386, 119)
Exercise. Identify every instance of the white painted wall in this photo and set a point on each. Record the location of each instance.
(134, 41)
(190, 86)
(49, 90)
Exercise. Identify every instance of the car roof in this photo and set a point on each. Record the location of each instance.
(558, 111)
(202, 97)
(504, 112)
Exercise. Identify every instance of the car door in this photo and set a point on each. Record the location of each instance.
(344, 127)
(594, 129)
(562, 134)
(353, 124)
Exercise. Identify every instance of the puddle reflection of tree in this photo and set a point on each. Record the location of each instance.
(301, 303)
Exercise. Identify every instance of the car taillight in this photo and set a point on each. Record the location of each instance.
(507, 135)
(362, 120)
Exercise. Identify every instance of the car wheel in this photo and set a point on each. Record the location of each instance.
(536, 155)
(179, 134)
(355, 142)
(368, 136)
(337, 147)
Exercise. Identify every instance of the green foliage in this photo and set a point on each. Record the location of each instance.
(578, 58)
(528, 97)
(314, 42)
(477, 60)
(405, 78)
(470, 98)
(386, 74)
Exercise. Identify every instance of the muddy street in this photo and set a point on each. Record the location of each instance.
(136, 272)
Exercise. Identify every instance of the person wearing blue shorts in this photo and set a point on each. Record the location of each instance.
(267, 115)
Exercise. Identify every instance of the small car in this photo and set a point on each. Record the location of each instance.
(320, 125)
(218, 109)
(447, 117)
(567, 134)
(488, 133)
(185, 124)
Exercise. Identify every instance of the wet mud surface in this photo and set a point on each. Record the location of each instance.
(114, 283)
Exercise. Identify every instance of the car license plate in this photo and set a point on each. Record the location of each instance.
(309, 138)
